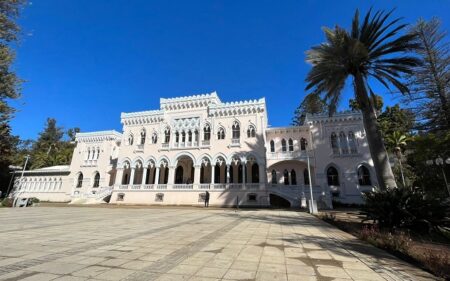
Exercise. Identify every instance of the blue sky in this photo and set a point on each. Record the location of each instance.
(86, 61)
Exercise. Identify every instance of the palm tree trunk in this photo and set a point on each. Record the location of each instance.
(380, 158)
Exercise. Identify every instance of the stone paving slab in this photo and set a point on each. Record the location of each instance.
(79, 243)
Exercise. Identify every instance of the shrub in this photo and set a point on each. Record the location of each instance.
(403, 207)
(398, 241)
(7, 202)
(34, 200)
(438, 262)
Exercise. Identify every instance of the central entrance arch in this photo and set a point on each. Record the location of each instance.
(184, 171)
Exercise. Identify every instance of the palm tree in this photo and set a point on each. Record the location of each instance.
(372, 49)
(397, 140)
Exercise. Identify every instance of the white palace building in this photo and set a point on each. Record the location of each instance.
(194, 144)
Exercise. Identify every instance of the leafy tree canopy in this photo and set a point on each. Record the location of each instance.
(311, 104)
(396, 119)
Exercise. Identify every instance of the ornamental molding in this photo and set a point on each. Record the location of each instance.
(186, 124)
(142, 117)
(238, 108)
(99, 136)
(284, 130)
(189, 102)
(343, 116)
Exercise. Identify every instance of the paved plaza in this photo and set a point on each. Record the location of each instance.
(116, 243)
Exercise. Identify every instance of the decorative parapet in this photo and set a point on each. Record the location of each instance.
(338, 117)
(53, 170)
(98, 136)
(142, 117)
(189, 102)
(238, 108)
(284, 130)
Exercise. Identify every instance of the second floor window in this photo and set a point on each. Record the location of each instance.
(167, 136)
(272, 146)
(130, 139)
(251, 132)
(302, 144)
(236, 130)
(207, 133)
(291, 145)
(221, 134)
(154, 138)
(143, 135)
(283, 145)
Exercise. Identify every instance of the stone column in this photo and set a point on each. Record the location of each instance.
(197, 174)
(228, 167)
(132, 176)
(171, 178)
(156, 175)
(144, 175)
(213, 173)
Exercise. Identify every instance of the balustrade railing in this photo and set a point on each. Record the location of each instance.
(220, 186)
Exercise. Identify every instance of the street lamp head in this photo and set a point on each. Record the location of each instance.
(439, 161)
(429, 162)
(447, 161)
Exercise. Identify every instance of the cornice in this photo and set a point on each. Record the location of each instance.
(98, 136)
(238, 108)
(142, 117)
(189, 102)
(336, 118)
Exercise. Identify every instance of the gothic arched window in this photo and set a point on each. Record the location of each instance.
(291, 145)
(332, 176)
(167, 135)
(143, 135)
(130, 139)
(334, 143)
(221, 133)
(305, 176)
(283, 145)
(236, 130)
(96, 180)
(302, 144)
(343, 143)
(255, 173)
(293, 177)
(352, 142)
(207, 132)
(154, 138)
(80, 180)
(272, 146)
(251, 132)
(274, 177)
(364, 176)
(286, 177)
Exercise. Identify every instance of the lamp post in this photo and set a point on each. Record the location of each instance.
(441, 163)
(312, 210)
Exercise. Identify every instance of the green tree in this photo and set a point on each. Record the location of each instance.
(424, 147)
(430, 80)
(373, 49)
(396, 119)
(47, 147)
(9, 83)
(311, 104)
(376, 100)
(397, 141)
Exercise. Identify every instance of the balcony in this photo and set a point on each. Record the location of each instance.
(89, 163)
(289, 155)
(197, 187)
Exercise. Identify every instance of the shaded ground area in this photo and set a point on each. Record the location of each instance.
(50, 243)
(427, 250)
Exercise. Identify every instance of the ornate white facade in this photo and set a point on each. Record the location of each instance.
(199, 143)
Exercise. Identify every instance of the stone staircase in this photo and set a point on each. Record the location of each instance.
(92, 198)
(296, 194)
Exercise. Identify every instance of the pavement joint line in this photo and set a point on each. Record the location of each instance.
(164, 265)
(52, 257)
